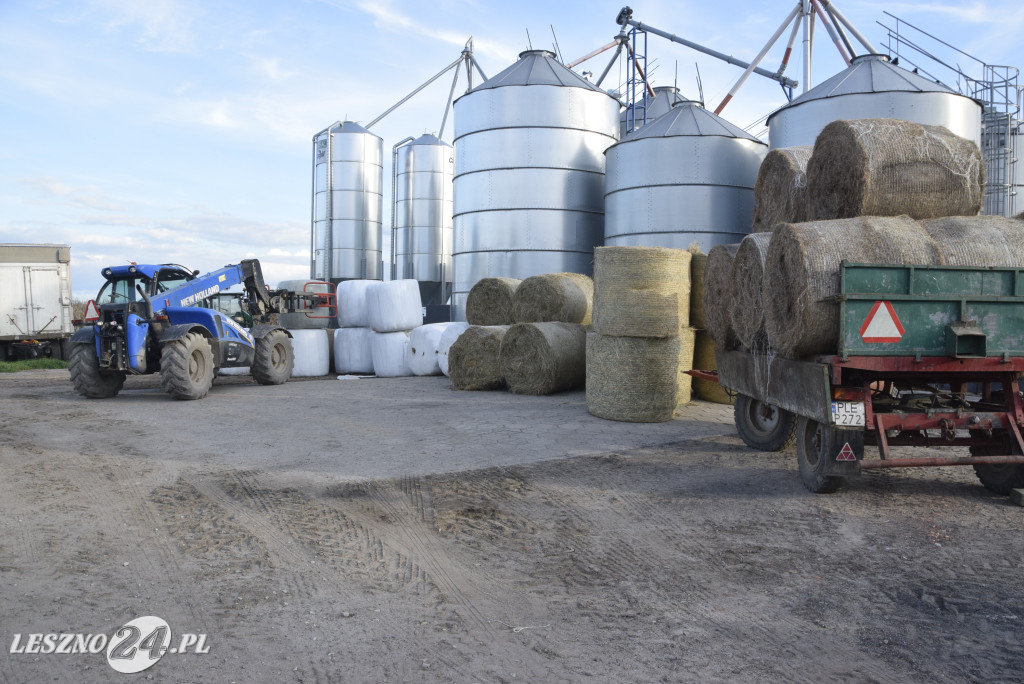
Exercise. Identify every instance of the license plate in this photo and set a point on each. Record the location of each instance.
(848, 413)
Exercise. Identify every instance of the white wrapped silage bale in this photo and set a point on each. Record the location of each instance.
(448, 337)
(352, 311)
(352, 351)
(318, 318)
(423, 346)
(394, 305)
(312, 353)
(389, 354)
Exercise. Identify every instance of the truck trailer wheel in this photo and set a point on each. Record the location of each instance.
(87, 377)
(274, 358)
(762, 426)
(815, 445)
(999, 478)
(186, 367)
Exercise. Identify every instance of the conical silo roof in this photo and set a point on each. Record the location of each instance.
(537, 67)
(689, 118)
(351, 127)
(429, 139)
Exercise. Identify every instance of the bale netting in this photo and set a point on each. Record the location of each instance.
(641, 291)
(698, 264)
(565, 297)
(473, 361)
(718, 295)
(780, 193)
(544, 358)
(704, 359)
(746, 312)
(891, 167)
(638, 379)
(978, 241)
(802, 274)
(490, 301)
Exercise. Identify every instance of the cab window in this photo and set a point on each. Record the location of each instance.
(120, 291)
(171, 278)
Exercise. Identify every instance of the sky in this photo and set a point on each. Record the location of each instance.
(180, 130)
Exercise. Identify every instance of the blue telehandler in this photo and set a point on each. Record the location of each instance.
(149, 318)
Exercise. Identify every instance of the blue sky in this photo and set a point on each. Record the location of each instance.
(179, 130)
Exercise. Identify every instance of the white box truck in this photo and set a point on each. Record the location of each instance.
(35, 301)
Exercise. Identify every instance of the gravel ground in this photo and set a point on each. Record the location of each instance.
(395, 530)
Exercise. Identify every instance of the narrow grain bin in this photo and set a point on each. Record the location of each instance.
(685, 178)
(529, 173)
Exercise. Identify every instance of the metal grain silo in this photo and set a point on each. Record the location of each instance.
(686, 177)
(529, 173)
(424, 169)
(665, 97)
(872, 87)
(347, 202)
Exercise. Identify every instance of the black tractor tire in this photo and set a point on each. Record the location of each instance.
(762, 426)
(814, 442)
(186, 367)
(274, 359)
(87, 377)
(998, 478)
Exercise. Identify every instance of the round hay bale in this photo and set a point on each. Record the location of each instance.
(704, 359)
(490, 301)
(473, 361)
(1020, 216)
(978, 240)
(780, 193)
(890, 167)
(698, 262)
(746, 312)
(641, 291)
(565, 297)
(718, 295)
(638, 379)
(543, 358)
(802, 272)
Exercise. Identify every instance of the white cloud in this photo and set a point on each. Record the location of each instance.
(163, 25)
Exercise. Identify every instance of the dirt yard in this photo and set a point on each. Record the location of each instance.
(393, 530)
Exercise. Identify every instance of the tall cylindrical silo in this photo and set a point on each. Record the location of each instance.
(871, 87)
(687, 177)
(665, 97)
(529, 173)
(347, 202)
(424, 169)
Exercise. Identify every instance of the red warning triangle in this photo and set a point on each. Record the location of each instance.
(92, 312)
(846, 453)
(882, 324)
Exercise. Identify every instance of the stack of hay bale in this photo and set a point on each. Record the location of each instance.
(703, 343)
(352, 349)
(642, 342)
(394, 309)
(878, 191)
(525, 335)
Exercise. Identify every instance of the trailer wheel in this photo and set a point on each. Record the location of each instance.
(186, 367)
(87, 377)
(814, 445)
(998, 478)
(274, 358)
(763, 426)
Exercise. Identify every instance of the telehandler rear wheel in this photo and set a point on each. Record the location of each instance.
(274, 358)
(88, 379)
(186, 367)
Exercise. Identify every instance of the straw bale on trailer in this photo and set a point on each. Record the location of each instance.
(746, 311)
(473, 361)
(641, 291)
(891, 167)
(718, 295)
(780, 193)
(544, 358)
(565, 297)
(978, 240)
(490, 301)
(802, 272)
(698, 264)
(638, 379)
(704, 359)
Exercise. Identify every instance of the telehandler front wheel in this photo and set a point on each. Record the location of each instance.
(274, 358)
(87, 377)
(186, 367)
